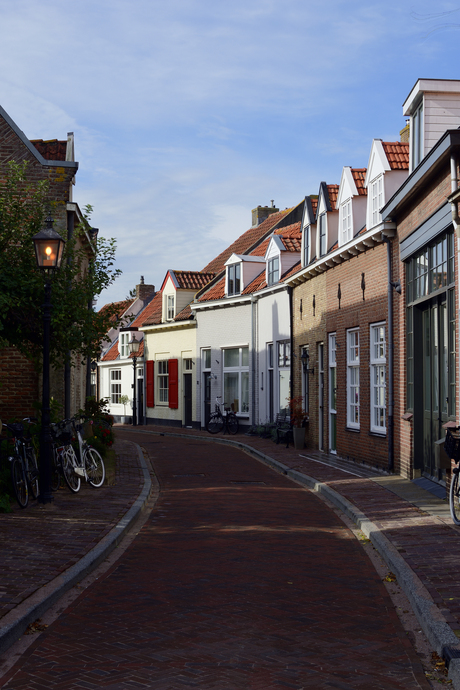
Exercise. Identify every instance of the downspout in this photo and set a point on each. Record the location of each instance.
(291, 340)
(67, 414)
(453, 188)
(391, 402)
(253, 357)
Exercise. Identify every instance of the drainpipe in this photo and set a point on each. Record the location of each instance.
(67, 414)
(453, 188)
(391, 346)
(291, 338)
(253, 358)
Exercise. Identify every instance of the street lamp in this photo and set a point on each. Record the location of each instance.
(49, 247)
(133, 347)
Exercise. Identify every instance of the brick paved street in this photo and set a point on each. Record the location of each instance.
(240, 579)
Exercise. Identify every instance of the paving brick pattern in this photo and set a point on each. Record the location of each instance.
(240, 579)
(39, 543)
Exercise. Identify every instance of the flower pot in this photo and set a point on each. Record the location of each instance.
(298, 434)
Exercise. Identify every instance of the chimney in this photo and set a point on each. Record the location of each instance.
(405, 133)
(261, 213)
(143, 291)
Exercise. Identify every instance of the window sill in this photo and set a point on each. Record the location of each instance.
(354, 430)
(378, 434)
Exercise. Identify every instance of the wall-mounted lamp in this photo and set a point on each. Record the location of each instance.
(305, 359)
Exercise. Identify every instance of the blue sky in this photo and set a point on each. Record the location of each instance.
(190, 113)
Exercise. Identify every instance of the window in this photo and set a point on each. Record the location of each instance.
(353, 378)
(305, 376)
(346, 222)
(322, 234)
(163, 381)
(124, 340)
(170, 311)
(431, 269)
(273, 270)
(417, 136)
(284, 353)
(188, 365)
(206, 359)
(115, 386)
(333, 392)
(306, 246)
(234, 279)
(236, 379)
(378, 378)
(376, 201)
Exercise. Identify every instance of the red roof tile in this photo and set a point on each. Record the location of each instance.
(217, 291)
(119, 307)
(333, 191)
(244, 243)
(193, 280)
(397, 153)
(257, 284)
(314, 203)
(52, 150)
(291, 237)
(112, 354)
(151, 314)
(359, 175)
(185, 314)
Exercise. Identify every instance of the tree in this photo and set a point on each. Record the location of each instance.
(87, 268)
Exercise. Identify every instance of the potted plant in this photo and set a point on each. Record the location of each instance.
(299, 419)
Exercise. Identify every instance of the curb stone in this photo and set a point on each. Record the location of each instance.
(15, 622)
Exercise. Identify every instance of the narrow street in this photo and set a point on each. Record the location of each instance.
(239, 579)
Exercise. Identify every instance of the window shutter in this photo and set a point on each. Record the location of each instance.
(173, 370)
(150, 366)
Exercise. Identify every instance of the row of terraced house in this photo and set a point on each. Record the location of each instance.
(348, 299)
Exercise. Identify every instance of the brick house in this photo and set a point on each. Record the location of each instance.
(53, 161)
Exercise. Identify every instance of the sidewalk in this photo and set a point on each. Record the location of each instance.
(45, 550)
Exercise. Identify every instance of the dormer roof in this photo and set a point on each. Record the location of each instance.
(351, 184)
(327, 198)
(397, 153)
(187, 280)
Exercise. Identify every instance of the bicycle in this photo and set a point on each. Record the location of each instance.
(64, 457)
(217, 420)
(24, 466)
(452, 448)
(87, 463)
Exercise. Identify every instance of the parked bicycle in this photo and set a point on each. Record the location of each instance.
(218, 420)
(24, 467)
(64, 458)
(87, 462)
(452, 448)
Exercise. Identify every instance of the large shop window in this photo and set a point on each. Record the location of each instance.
(115, 386)
(236, 379)
(378, 378)
(353, 399)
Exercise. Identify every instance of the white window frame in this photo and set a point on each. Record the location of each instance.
(417, 136)
(306, 245)
(170, 302)
(377, 200)
(353, 383)
(273, 270)
(332, 367)
(115, 386)
(377, 359)
(234, 279)
(346, 222)
(124, 340)
(322, 225)
(163, 381)
(206, 359)
(242, 370)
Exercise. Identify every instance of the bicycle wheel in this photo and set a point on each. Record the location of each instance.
(454, 497)
(215, 424)
(232, 423)
(95, 467)
(56, 470)
(32, 472)
(19, 481)
(69, 462)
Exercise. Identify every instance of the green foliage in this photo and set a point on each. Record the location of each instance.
(95, 408)
(87, 269)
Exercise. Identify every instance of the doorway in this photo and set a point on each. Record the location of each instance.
(320, 396)
(188, 400)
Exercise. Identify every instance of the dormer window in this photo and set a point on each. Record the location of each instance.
(346, 224)
(124, 339)
(306, 246)
(273, 270)
(170, 308)
(322, 234)
(234, 279)
(377, 200)
(417, 135)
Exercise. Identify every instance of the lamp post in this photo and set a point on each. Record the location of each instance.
(49, 247)
(133, 347)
